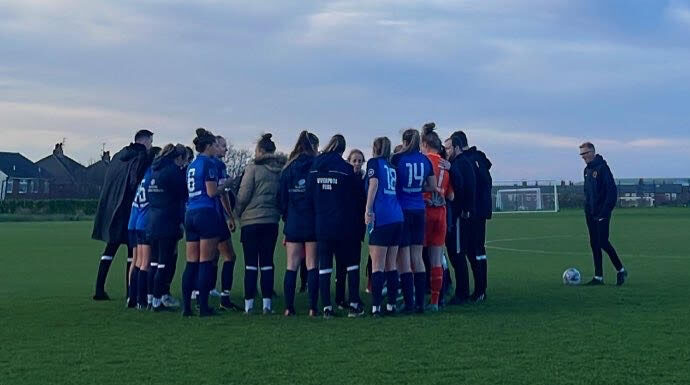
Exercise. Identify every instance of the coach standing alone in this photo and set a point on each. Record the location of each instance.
(601, 195)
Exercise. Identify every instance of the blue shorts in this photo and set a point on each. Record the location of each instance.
(131, 239)
(413, 228)
(386, 235)
(143, 238)
(201, 224)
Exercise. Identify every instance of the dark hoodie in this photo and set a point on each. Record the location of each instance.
(257, 198)
(331, 186)
(296, 209)
(167, 194)
(482, 170)
(601, 192)
(464, 182)
(121, 181)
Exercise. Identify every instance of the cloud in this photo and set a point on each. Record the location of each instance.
(678, 12)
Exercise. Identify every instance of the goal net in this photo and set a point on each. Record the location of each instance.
(525, 196)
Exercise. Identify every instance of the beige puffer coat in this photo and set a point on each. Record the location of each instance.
(257, 199)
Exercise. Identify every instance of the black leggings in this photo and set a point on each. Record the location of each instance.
(599, 240)
(347, 254)
(164, 253)
(259, 243)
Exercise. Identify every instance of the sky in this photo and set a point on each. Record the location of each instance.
(527, 80)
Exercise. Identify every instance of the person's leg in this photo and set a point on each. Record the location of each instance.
(250, 246)
(457, 260)
(227, 273)
(467, 249)
(353, 250)
(269, 237)
(603, 227)
(133, 289)
(190, 276)
(596, 248)
(392, 277)
(340, 278)
(303, 275)
(295, 255)
(171, 269)
(436, 273)
(480, 238)
(207, 254)
(406, 277)
(312, 264)
(103, 268)
(378, 265)
(164, 249)
(325, 251)
(144, 261)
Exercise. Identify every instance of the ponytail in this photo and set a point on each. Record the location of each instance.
(382, 148)
(336, 144)
(411, 141)
(303, 146)
(265, 144)
(203, 139)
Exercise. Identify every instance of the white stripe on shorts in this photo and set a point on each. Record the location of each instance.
(352, 268)
(265, 268)
(251, 268)
(325, 271)
(106, 258)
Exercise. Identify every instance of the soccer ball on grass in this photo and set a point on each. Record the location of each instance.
(571, 277)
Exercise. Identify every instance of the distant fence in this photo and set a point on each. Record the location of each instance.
(83, 207)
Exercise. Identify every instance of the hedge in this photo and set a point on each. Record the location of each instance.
(43, 207)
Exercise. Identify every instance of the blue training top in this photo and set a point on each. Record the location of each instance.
(222, 169)
(138, 217)
(413, 169)
(386, 207)
(200, 171)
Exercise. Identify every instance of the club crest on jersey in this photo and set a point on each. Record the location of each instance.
(371, 172)
(594, 174)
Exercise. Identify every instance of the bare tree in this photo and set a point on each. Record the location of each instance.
(236, 160)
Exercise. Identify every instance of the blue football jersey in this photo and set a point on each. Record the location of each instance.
(413, 169)
(386, 207)
(222, 169)
(142, 199)
(203, 169)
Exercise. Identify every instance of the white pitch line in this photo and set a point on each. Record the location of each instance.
(531, 251)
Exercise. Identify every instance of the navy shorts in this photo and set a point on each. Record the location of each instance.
(386, 235)
(131, 239)
(201, 224)
(413, 229)
(143, 238)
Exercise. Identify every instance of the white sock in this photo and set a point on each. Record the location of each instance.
(267, 303)
(149, 298)
(248, 305)
(598, 278)
(354, 305)
(390, 307)
(156, 302)
(621, 270)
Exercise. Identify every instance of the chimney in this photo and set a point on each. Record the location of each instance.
(58, 150)
(105, 157)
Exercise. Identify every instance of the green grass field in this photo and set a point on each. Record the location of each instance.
(532, 330)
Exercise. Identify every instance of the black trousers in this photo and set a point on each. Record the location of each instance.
(465, 249)
(462, 288)
(599, 240)
(164, 253)
(347, 253)
(258, 244)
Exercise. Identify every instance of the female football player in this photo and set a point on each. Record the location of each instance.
(257, 208)
(331, 186)
(384, 219)
(298, 215)
(434, 239)
(167, 192)
(225, 207)
(356, 159)
(415, 175)
(201, 223)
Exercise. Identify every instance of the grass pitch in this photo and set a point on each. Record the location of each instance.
(532, 329)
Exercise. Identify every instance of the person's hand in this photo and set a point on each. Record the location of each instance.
(369, 218)
(428, 202)
(444, 164)
(231, 224)
(284, 241)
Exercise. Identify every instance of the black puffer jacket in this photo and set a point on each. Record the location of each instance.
(601, 192)
(482, 168)
(464, 181)
(121, 181)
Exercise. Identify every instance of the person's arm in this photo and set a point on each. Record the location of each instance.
(469, 186)
(611, 193)
(244, 195)
(430, 184)
(369, 216)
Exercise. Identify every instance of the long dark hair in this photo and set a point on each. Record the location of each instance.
(382, 148)
(203, 139)
(303, 146)
(411, 140)
(171, 151)
(336, 144)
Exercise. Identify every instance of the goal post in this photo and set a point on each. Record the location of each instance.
(536, 196)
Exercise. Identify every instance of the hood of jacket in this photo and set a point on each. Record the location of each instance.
(325, 159)
(596, 162)
(480, 156)
(273, 162)
(302, 162)
(161, 163)
(132, 151)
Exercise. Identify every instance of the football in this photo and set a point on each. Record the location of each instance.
(571, 276)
